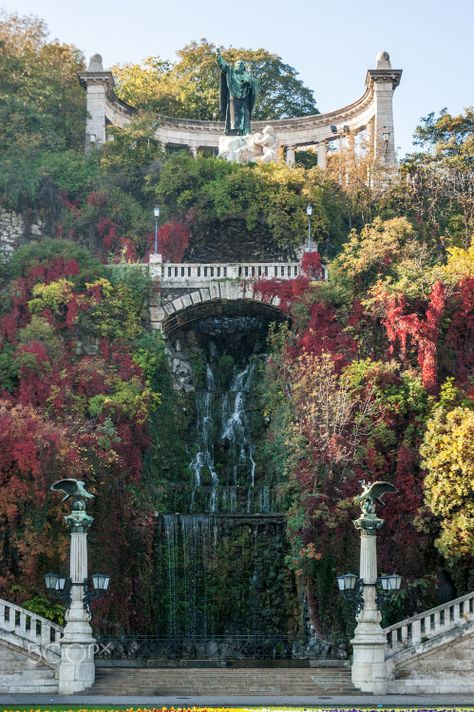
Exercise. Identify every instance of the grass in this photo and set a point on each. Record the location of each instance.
(318, 708)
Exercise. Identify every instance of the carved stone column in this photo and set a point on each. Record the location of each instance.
(97, 83)
(384, 81)
(322, 154)
(290, 156)
(76, 669)
(369, 670)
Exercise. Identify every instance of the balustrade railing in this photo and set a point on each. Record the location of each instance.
(430, 623)
(27, 625)
(245, 270)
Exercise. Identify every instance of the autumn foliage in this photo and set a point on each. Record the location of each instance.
(75, 405)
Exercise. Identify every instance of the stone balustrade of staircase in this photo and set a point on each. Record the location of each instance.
(430, 623)
(29, 651)
(28, 626)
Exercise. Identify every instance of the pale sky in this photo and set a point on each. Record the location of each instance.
(331, 44)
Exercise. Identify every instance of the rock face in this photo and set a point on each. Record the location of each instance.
(13, 229)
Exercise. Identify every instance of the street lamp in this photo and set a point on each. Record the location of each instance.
(156, 212)
(369, 668)
(352, 587)
(347, 582)
(309, 212)
(390, 583)
(61, 586)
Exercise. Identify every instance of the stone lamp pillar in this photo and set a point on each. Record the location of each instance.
(369, 669)
(76, 669)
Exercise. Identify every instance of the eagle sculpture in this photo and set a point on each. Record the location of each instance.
(373, 492)
(72, 488)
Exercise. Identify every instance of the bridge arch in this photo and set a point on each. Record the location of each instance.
(216, 299)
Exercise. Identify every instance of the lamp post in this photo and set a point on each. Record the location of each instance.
(76, 668)
(156, 212)
(369, 669)
(309, 212)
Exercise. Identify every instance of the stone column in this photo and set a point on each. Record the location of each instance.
(369, 670)
(322, 154)
(290, 156)
(97, 84)
(385, 80)
(76, 669)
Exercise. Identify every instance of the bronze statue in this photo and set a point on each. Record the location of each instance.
(72, 488)
(237, 98)
(372, 493)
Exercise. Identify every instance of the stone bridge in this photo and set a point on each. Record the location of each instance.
(192, 291)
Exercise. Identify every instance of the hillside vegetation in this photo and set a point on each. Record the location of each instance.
(374, 379)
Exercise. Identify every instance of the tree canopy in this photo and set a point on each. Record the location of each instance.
(189, 88)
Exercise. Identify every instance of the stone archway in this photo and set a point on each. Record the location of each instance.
(216, 299)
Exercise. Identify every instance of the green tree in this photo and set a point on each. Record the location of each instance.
(448, 457)
(436, 186)
(42, 107)
(189, 88)
(41, 102)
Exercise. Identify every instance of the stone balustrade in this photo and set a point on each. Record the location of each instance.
(191, 274)
(429, 624)
(28, 626)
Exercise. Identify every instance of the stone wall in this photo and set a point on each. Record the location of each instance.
(13, 229)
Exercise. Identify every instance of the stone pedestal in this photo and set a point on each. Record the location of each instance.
(76, 669)
(369, 670)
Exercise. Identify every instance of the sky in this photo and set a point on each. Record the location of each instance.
(330, 44)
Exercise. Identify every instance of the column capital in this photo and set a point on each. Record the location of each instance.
(78, 521)
(382, 76)
(368, 523)
(90, 78)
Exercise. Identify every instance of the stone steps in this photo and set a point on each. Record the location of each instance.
(29, 681)
(212, 681)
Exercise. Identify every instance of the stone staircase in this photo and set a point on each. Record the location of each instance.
(434, 650)
(29, 651)
(28, 681)
(323, 681)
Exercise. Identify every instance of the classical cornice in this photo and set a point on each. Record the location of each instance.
(384, 75)
(310, 124)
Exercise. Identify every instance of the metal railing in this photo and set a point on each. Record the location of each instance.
(219, 648)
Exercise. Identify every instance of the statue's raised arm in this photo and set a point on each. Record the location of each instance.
(221, 61)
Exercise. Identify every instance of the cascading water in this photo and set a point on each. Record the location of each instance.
(223, 425)
(203, 461)
(221, 568)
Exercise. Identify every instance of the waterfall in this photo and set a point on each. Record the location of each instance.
(235, 425)
(198, 552)
(223, 423)
(204, 458)
(171, 538)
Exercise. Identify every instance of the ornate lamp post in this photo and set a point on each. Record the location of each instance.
(76, 669)
(309, 212)
(369, 671)
(156, 213)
